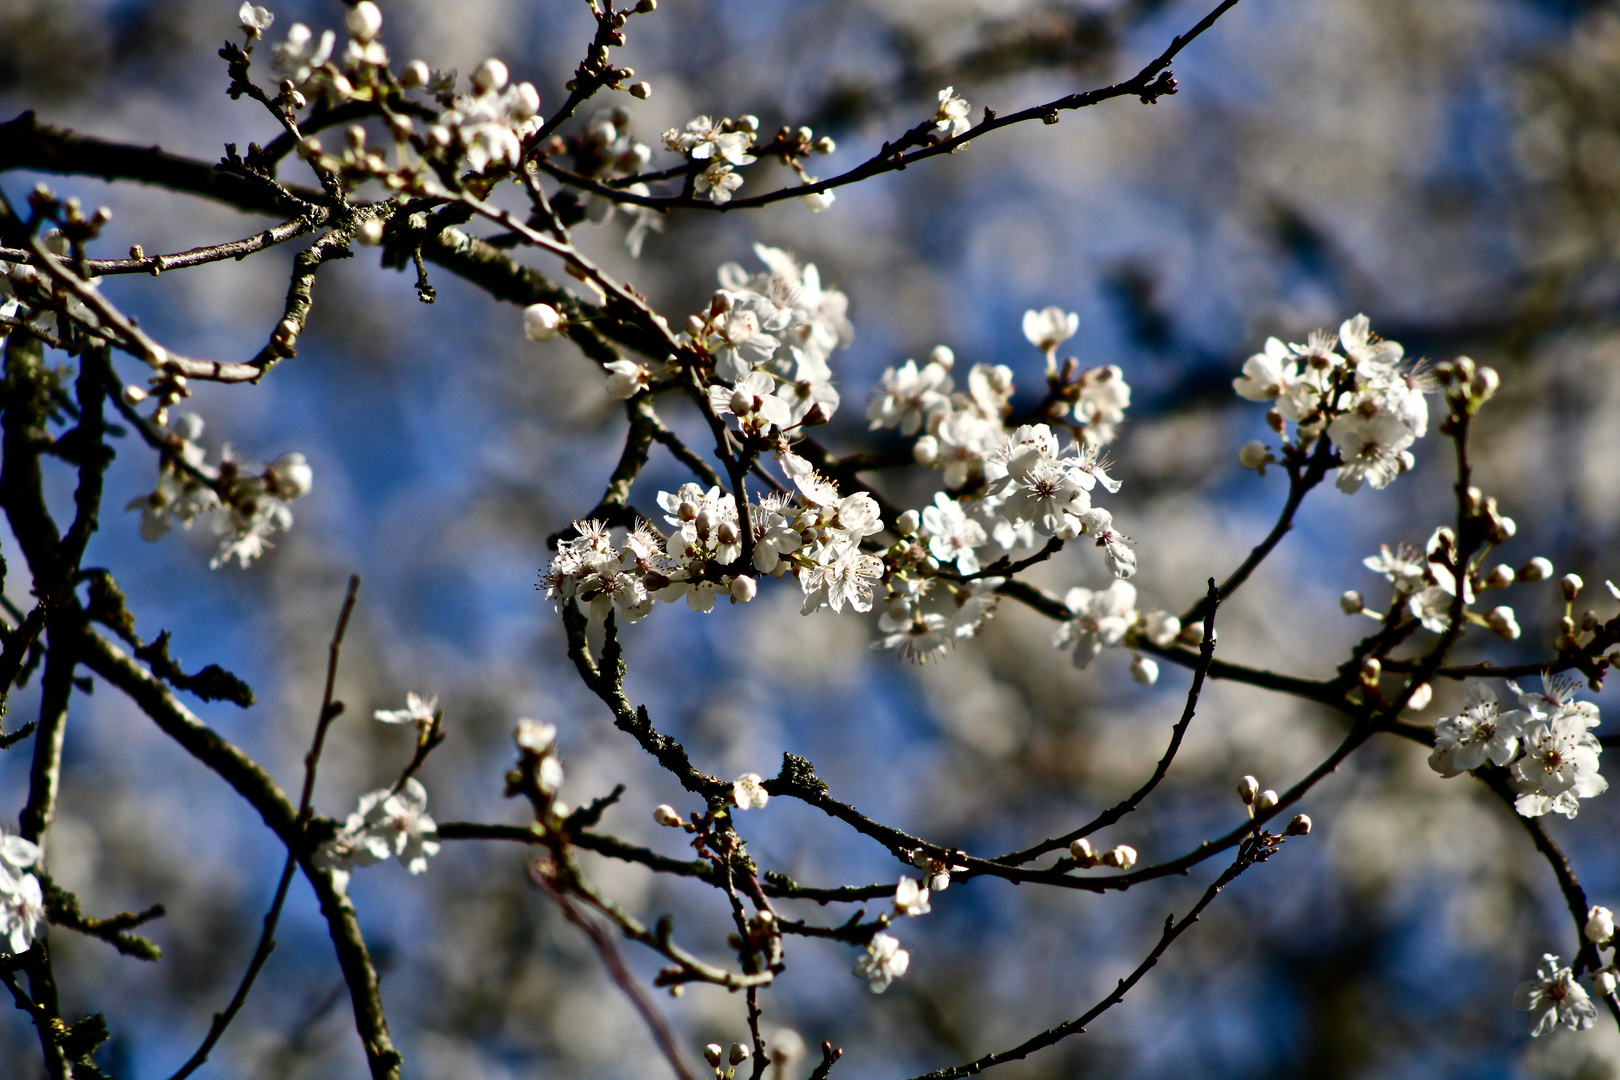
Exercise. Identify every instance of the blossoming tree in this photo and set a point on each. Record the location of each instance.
(973, 478)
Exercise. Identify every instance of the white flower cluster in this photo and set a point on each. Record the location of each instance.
(486, 128)
(1548, 741)
(1109, 617)
(387, 822)
(723, 144)
(312, 66)
(1427, 584)
(606, 151)
(1356, 387)
(22, 901)
(250, 503)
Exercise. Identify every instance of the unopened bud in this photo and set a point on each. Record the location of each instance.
(906, 524)
(1247, 789)
(370, 232)
(1122, 857)
(1537, 569)
(1265, 801)
(925, 451)
(738, 1054)
(1144, 669)
(541, 322)
(134, 395)
(641, 91)
(665, 815)
(1080, 850)
(1253, 455)
(415, 76)
(943, 355)
(489, 76)
(1604, 982)
(824, 145)
(1599, 925)
(1300, 826)
(714, 1053)
(1502, 623)
(310, 147)
(743, 588)
(1486, 380)
(1419, 699)
(1570, 586)
(1500, 577)
(364, 21)
(1465, 369)
(1352, 603)
(1371, 671)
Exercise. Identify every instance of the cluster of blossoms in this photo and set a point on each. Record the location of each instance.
(22, 901)
(1427, 585)
(390, 821)
(1110, 617)
(1555, 998)
(250, 503)
(1356, 388)
(1548, 741)
(607, 151)
(724, 144)
(313, 67)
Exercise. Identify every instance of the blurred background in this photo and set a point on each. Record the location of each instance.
(1451, 168)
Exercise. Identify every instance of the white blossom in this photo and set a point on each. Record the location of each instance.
(22, 910)
(911, 898)
(883, 962)
(1553, 997)
(952, 535)
(951, 119)
(417, 710)
(1480, 733)
(1100, 618)
(748, 792)
(1050, 327)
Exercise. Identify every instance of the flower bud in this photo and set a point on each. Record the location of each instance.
(1484, 385)
(1604, 982)
(1247, 789)
(1500, 577)
(925, 451)
(1570, 586)
(1265, 801)
(737, 1054)
(1253, 455)
(1502, 623)
(1300, 826)
(906, 524)
(1419, 699)
(1599, 925)
(370, 232)
(1080, 850)
(134, 395)
(489, 76)
(291, 477)
(1537, 569)
(1371, 670)
(743, 588)
(1122, 857)
(364, 21)
(541, 322)
(641, 91)
(664, 814)
(415, 76)
(1352, 603)
(1144, 669)
(714, 1054)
